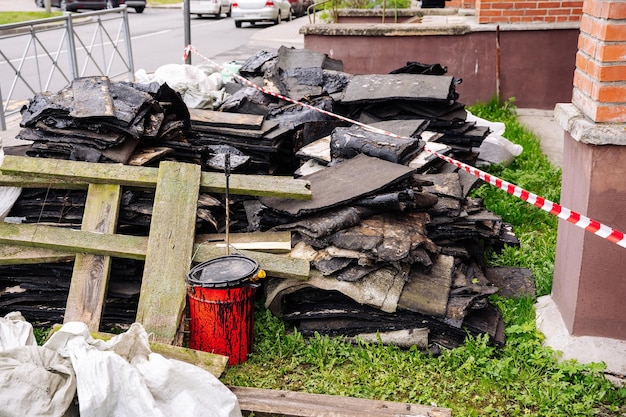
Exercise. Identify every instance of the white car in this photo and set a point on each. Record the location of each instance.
(254, 11)
(210, 7)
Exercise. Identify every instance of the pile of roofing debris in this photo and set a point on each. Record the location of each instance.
(395, 243)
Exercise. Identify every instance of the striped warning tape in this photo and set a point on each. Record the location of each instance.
(555, 209)
(590, 225)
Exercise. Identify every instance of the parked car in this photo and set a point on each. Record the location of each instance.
(138, 5)
(210, 7)
(74, 5)
(306, 4)
(297, 7)
(254, 11)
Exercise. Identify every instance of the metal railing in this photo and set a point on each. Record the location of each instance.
(47, 54)
(318, 6)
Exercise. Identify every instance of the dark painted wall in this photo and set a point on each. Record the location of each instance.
(536, 67)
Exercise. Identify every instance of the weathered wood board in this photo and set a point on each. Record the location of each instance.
(40, 241)
(226, 119)
(75, 241)
(272, 242)
(170, 250)
(88, 287)
(22, 255)
(266, 403)
(20, 171)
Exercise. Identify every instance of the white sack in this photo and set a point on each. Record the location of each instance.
(122, 378)
(495, 149)
(34, 381)
(15, 332)
(199, 88)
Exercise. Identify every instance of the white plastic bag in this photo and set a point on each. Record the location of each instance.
(15, 332)
(122, 378)
(495, 149)
(34, 381)
(199, 87)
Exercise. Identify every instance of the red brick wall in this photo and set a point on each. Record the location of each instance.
(461, 4)
(527, 11)
(600, 77)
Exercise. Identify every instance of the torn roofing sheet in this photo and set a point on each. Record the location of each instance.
(417, 87)
(342, 183)
(289, 58)
(346, 142)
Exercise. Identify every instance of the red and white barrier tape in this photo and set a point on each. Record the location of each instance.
(590, 225)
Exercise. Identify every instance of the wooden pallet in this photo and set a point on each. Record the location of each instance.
(168, 250)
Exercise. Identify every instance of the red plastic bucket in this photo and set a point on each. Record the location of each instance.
(221, 306)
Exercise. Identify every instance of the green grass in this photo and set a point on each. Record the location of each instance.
(16, 17)
(522, 378)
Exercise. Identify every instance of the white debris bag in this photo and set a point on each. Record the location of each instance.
(495, 149)
(34, 381)
(15, 332)
(120, 377)
(123, 378)
(199, 87)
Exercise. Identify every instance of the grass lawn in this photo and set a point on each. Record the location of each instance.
(15, 17)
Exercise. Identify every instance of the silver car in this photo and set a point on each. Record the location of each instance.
(211, 7)
(254, 11)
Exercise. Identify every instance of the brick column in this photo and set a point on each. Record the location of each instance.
(589, 286)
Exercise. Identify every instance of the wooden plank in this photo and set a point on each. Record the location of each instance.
(38, 181)
(60, 244)
(257, 185)
(66, 174)
(211, 362)
(264, 402)
(22, 255)
(273, 242)
(88, 287)
(75, 241)
(225, 119)
(81, 172)
(169, 251)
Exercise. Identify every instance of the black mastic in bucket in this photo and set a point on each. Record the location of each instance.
(221, 306)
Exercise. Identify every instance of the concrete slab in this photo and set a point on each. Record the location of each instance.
(584, 349)
(547, 129)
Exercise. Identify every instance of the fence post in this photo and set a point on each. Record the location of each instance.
(71, 45)
(3, 123)
(129, 47)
